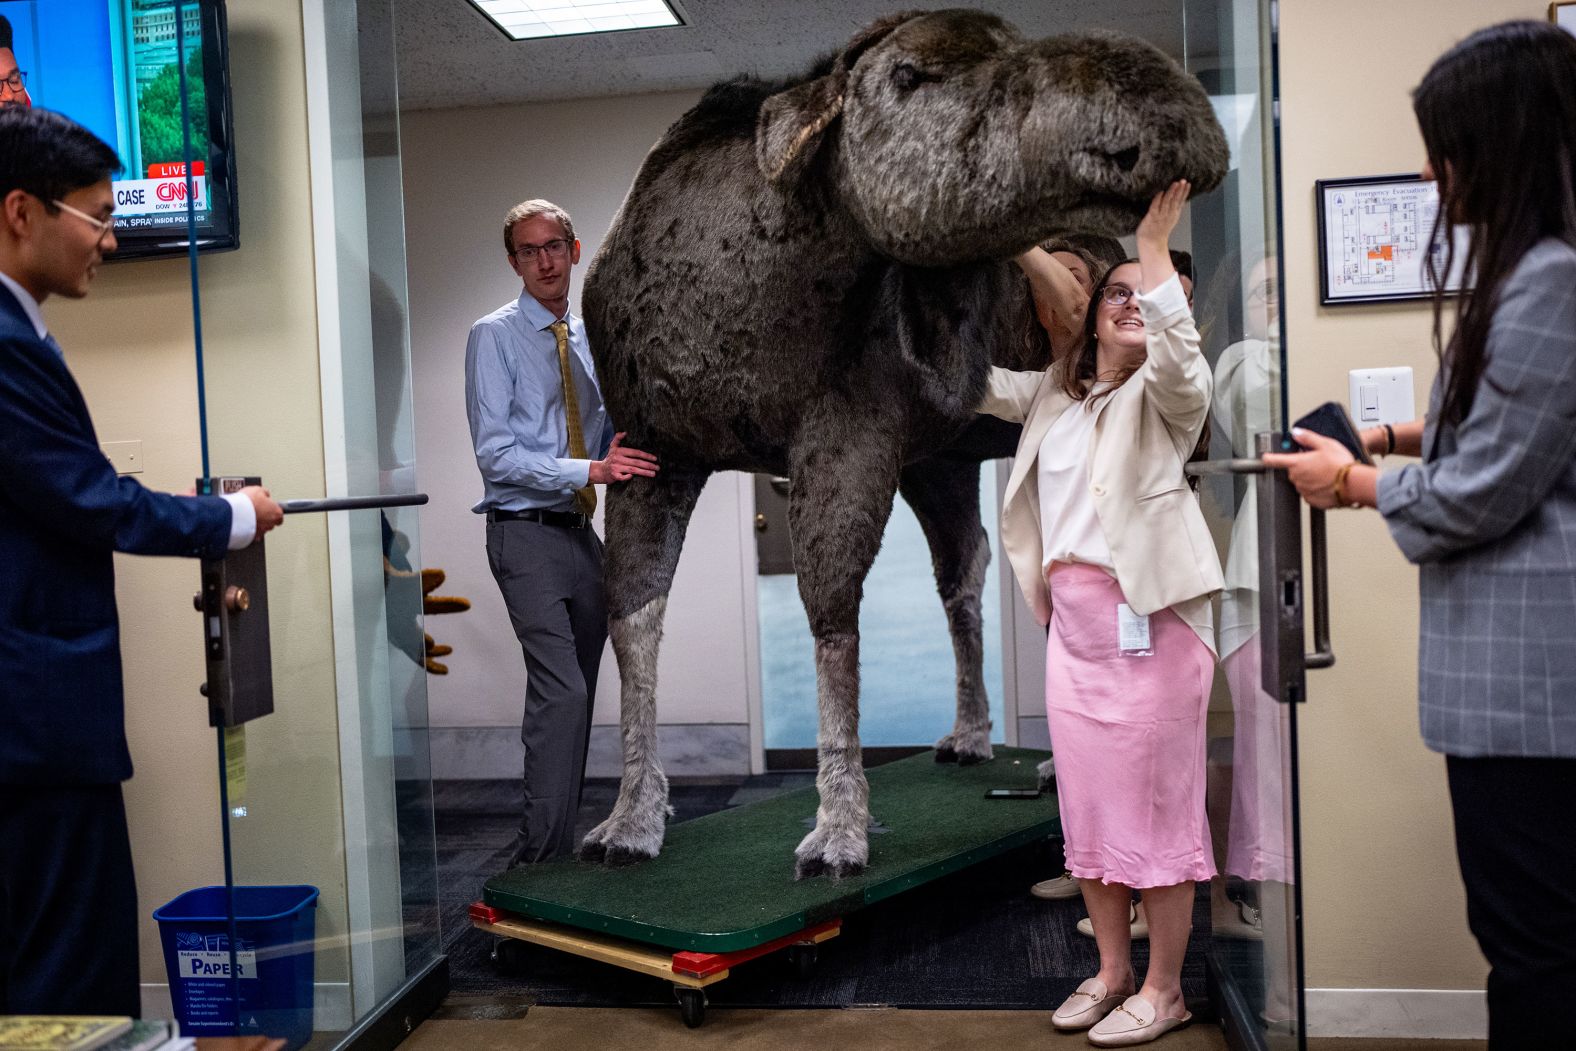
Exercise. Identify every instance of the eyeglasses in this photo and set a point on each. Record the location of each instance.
(1116, 295)
(103, 226)
(554, 249)
(14, 83)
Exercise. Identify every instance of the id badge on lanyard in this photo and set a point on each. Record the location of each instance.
(1132, 632)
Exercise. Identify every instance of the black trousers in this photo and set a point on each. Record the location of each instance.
(1516, 840)
(68, 902)
(551, 581)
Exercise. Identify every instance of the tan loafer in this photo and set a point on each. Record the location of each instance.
(1063, 886)
(1137, 924)
(1090, 1003)
(1133, 1022)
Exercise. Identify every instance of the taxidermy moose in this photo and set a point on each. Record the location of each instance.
(812, 278)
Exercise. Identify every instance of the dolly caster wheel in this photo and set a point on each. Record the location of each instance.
(802, 958)
(508, 955)
(692, 1005)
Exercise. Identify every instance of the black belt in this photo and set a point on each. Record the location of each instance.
(563, 519)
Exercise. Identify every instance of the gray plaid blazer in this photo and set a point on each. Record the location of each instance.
(1490, 519)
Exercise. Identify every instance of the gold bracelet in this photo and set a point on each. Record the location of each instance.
(1339, 486)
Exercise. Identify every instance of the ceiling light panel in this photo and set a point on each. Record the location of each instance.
(528, 19)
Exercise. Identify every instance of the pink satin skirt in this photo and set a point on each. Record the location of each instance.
(1128, 735)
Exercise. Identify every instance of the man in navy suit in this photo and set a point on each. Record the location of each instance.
(68, 900)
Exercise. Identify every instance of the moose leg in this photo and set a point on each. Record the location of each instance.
(837, 512)
(945, 496)
(646, 522)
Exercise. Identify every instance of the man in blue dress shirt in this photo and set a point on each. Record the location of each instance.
(543, 439)
(68, 899)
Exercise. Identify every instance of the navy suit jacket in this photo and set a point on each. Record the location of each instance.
(63, 513)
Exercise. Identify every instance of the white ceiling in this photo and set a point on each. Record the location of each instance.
(450, 55)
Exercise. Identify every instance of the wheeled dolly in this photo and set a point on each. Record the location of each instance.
(690, 972)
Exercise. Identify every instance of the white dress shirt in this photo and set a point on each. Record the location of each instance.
(1068, 520)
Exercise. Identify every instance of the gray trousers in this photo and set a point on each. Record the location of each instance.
(551, 580)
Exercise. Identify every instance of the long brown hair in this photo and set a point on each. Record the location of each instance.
(1498, 117)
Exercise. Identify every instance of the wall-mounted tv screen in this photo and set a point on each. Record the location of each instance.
(113, 66)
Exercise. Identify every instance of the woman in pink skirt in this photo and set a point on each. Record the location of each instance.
(1111, 550)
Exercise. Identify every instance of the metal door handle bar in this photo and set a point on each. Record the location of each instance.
(1323, 655)
(1204, 468)
(352, 503)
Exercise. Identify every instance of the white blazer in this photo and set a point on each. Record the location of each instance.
(1145, 431)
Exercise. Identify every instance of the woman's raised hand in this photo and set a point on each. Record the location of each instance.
(1154, 235)
(1165, 211)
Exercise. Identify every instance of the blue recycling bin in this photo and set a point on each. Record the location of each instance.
(274, 931)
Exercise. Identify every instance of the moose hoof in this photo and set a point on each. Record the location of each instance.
(838, 854)
(809, 868)
(617, 857)
(964, 749)
(623, 843)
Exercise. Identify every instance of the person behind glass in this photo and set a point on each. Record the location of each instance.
(68, 894)
(1489, 515)
(13, 82)
(1111, 550)
(1105, 251)
(1060, 279)
(543, 439)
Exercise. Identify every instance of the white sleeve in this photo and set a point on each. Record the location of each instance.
(243, 520)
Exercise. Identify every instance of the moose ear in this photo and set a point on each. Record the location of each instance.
(791, 124)
(788, 131)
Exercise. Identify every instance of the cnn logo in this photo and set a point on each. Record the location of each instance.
(176, 191)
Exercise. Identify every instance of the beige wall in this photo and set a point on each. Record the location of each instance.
(130, 346)
(1383, 897)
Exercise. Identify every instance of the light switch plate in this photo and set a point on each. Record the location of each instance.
(1381, 396)
(126, 456)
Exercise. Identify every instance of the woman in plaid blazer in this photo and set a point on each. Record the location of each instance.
(1489, 515)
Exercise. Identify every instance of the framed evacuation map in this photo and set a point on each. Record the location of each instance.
(1563, 15)
(1373, 235)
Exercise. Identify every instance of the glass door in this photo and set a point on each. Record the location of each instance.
(327, 917)
(1255, 952)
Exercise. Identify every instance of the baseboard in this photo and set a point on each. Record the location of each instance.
(1419, 1014)
(330, 1004)
(470, 753)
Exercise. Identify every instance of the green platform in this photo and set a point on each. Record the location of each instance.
(724, 882)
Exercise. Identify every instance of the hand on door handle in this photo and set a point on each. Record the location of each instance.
(1323, 655)
(270, 515)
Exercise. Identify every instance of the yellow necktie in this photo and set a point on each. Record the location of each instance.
(585, 499)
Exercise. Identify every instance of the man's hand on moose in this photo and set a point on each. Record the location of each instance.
(621, 464)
